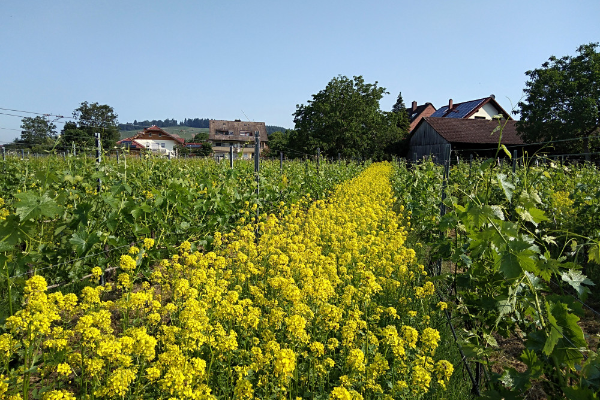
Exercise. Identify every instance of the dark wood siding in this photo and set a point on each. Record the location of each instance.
(426, 142)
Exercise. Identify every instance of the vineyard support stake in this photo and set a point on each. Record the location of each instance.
(99, 159)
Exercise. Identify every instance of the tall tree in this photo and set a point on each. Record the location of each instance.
(36, 131)
(399, 105)
(71, 134)
(400, 109)
(278, 142)
(562, 101)
(346, 118)
(94, 117)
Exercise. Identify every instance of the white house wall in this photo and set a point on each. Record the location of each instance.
(157, 144)
(487, 111)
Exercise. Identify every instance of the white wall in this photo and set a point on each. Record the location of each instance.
(487, 111)
(156, 144)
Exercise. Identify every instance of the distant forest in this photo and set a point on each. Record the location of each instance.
(191, 122)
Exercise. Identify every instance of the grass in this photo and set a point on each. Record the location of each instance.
(460, 385)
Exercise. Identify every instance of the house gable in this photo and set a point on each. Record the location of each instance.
(153, 138)
(416, 113)
(485, 108)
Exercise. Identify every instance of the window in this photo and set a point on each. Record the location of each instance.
(480, 117)
(162, 145)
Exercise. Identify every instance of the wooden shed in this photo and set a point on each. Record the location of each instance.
(433, 137)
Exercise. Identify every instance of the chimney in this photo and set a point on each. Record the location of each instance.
(414, 106)
(450, 104)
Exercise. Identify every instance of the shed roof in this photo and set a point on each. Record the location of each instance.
(474, 130)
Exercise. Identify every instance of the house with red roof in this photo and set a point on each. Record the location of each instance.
(470, 127)
(153, 139)
(417, 112)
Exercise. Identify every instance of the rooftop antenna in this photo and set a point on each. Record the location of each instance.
(247, 119)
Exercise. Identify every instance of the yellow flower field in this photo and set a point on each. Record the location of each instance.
(320, 301)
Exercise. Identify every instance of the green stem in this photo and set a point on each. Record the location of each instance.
(10, 304)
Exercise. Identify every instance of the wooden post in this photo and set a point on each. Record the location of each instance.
(257, 172)
(318, 156)
(98, 159)
(231, 157)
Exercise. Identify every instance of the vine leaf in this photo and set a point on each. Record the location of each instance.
(554, 334)
(537, 215)
(547, 266)
(571, 338)
(32, 206)
(508, 264)
(594, 253)
(4, 246)
(533, 215)
(506, 186)
(576, 279)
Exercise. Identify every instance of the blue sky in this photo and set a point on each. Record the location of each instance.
(230, 59)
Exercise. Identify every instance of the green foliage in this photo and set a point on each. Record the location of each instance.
(92, 118)
(203, 151)
(72, 135)
(345, 118)
(59, 223)
(562, 101)
(37, 132)
(279, 142)
(516, 249)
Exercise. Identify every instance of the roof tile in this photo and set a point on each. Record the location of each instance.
(475, 130)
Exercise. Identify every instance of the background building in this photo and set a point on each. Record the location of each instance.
(239, 134)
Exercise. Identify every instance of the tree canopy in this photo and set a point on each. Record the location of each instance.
(36, 132)
(403, 122)
(562, 102)
(278, 142)
(346, 118)
(92, 118)
(71, 134)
